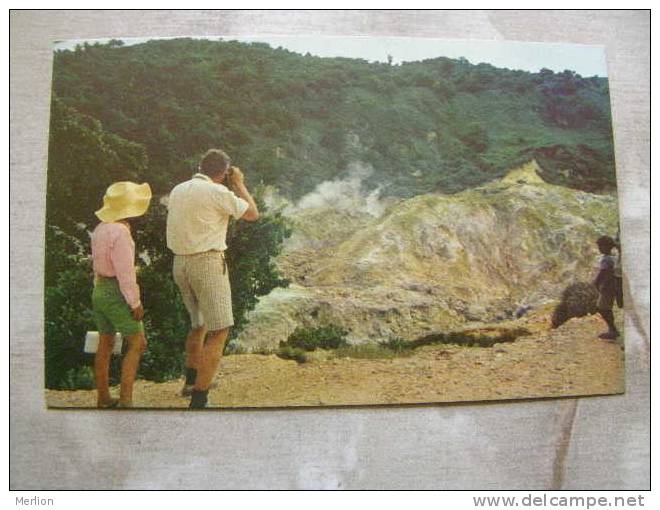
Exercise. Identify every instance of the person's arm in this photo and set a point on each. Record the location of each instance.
(236, 181)
(123, 262)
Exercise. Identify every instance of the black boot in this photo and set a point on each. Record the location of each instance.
(199, 399)
(191, 375)
(189, 385)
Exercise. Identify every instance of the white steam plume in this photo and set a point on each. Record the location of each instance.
(344, 194)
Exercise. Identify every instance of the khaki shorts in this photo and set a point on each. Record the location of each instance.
(203, 279)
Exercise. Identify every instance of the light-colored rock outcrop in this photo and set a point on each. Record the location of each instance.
(433, 262)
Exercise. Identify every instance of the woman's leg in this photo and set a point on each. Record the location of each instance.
(136, 346)
(102, 369)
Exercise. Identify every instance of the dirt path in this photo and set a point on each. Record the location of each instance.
(549, 363)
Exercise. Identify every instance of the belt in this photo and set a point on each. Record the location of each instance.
(220, 252)
(99, 278)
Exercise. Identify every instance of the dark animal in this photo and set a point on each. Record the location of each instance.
(577, 300)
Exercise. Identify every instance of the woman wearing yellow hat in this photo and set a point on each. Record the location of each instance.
(116, 296)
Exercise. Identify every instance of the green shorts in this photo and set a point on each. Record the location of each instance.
(111, 312)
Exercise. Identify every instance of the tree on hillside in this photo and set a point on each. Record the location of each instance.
(83, 160)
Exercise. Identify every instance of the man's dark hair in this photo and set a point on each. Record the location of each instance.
(606, 241)
(214, 162)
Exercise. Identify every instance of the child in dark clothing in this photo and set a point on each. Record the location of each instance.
(608, 283)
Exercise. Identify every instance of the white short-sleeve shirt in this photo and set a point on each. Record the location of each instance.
(198, 213)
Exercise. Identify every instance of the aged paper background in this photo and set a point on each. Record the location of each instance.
(585, 443)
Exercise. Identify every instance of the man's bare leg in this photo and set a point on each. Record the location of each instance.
(214, 346)
(129, 366)
(194, 344)
(102, 370)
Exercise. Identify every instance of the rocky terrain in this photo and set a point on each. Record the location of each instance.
(567, 361)
(383, 268)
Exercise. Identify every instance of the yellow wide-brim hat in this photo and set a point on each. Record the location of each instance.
(124, 200)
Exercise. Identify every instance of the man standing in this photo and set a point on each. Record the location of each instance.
(197, 219)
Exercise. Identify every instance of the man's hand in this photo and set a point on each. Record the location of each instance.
(235, 177)
(238, 186)
(138, 312)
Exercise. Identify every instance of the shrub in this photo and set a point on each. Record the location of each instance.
(234, 347)
(321, 337)
(396, 344)
(370, 351)
(469, 339)
(164, 358)
(67, 304)
(577, 300)
(80, 378)
(264, 351)
(250, 258)
(294, 353)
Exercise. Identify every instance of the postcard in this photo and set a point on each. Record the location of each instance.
(241, 222)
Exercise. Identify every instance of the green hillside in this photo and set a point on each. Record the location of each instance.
(294, 121)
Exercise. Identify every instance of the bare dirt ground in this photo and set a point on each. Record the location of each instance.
(568, 361)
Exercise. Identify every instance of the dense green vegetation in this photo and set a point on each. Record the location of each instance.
(293, 120)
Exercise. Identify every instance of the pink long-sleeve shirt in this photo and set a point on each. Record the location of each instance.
(113, 255)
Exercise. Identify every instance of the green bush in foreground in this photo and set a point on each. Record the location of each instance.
(80, 378)
(294, 353)
(304, 340)
(321, 337)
